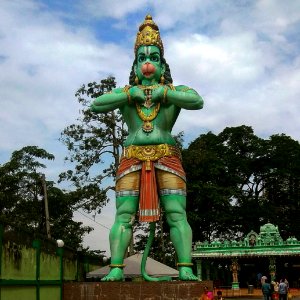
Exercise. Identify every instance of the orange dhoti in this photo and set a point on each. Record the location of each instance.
(148, 180)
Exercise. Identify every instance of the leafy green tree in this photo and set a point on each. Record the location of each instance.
(237, 182)
(20, 185)
(95, 139)
(245, 158)
(208, 191)
(22, 195)
(61, 207)
(282, 184)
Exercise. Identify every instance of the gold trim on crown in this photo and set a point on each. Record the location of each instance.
(148, 35)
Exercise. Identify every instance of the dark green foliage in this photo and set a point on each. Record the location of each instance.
(22, 198)
(20, 182)
(61, 207)
(208, 194)
(95, 141)
(282, 189)
(238, 182)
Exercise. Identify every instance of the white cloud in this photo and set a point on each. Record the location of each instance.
(112, 8)
(44, 63)
(276, 16)
(224, 60)
(245, 74)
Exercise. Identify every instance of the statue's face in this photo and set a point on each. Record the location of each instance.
(149, 67)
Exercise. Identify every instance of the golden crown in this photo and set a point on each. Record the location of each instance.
(148, 35)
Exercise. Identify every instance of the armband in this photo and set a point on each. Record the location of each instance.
(126, 90)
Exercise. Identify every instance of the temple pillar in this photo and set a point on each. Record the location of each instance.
(234, 268)
(208, 271)
(272, 268)
(199, 269)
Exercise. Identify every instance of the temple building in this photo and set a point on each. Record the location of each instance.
(243, 263)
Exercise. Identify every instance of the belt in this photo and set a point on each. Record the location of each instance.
(151, 152)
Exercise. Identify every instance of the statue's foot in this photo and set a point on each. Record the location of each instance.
(115, 274)
(186, 273)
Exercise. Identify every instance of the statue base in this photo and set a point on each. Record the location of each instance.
(179, 290)
(235, 285)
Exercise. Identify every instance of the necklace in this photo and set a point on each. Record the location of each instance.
(148, 87)
(147, 125)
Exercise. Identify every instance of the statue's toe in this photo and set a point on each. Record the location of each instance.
(186, 273)
(116, 274)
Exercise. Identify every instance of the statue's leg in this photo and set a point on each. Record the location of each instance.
(174, 204)
(121, 231)
(180, 233)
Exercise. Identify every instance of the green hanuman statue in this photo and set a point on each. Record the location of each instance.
(150, 174)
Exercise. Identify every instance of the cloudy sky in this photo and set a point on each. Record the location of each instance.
(241, 56)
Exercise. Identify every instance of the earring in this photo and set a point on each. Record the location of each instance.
(136, 80)
(162, 79)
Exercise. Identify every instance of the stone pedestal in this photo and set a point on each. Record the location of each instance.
(174, 290)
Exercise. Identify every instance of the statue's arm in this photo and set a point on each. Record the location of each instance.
(110, 101)
(185, 97)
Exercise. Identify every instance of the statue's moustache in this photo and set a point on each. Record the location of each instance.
(148, 69)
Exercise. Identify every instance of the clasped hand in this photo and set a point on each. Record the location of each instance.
(137, 94)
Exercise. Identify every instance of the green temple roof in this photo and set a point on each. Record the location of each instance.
(267, 243)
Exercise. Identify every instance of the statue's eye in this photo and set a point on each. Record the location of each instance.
(154, 58)
(141, 58)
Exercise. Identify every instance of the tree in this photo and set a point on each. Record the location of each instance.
(61, 207)
(282, 185)
(20, 184)
(237, 182)
(208, 188)
(95, 139)
(22, 195)
(245, 157)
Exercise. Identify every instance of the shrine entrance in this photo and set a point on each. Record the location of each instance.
(243, 263)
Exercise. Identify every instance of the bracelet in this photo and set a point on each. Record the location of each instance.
(117, 266)
(126, 90)
(184, 264)
(165, 95)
